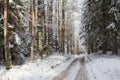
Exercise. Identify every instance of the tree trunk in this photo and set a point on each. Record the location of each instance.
(91, 45)
(33, 33)
(47, 43)
(114, 43)
(63, 29)
(40, 45)
(105, 43)
(58, 29)
(68, 44)
(71, 46)
(45, 35)
(59, 39)
(7, 60)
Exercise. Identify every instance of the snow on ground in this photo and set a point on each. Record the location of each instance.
(35, 71)
(53, 73)
(103, 67)
(73, 72)
(99, 67)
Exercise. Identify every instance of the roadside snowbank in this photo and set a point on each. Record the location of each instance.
(103, 67)
(36, 71)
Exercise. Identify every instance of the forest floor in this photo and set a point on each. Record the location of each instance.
(68, 67)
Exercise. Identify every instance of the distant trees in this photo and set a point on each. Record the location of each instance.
(47, 19)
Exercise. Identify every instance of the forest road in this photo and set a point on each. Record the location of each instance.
(81, 73)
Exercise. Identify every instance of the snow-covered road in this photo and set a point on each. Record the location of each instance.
(75, 71)
(82, 73)
(66, 74)
(59, 67)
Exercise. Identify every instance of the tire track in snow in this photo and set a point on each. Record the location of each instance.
(73, 71)
(63, 75)
(82, 73)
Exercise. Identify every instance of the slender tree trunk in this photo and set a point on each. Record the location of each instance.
(56, 22)
(91, 45)
(73, 42)
(46, 26)
(105, 43)
(33, 32)
(78, 48)
(59, 27)
(46, 29)
(59, 41)
(114, 43)
(47, 43)
(63, 29)
(5, 29)
(71, 48)
(56, 40)
(68, 44)
(45, 35)
(7, 60)
(30, 22)
(40, 45)
(50, 27)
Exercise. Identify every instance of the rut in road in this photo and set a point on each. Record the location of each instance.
(71, 75)
(64, 73)
(82, 73)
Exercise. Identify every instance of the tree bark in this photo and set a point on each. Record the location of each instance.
(33, 32)
(105, 43)
(114, 43)
(7, 60)
(40, 45)
(63, 29)
(47, 43)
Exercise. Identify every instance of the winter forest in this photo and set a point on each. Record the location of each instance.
(59, 39)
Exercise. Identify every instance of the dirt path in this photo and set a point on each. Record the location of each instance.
(82, 73)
